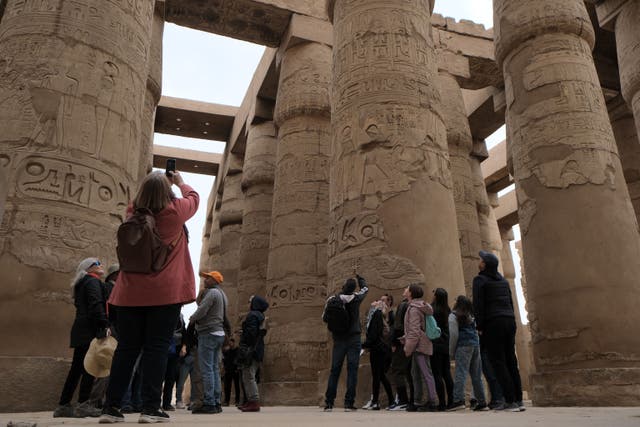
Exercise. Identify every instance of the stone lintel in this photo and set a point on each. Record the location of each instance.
(507, 210)
(455, 64)
(194, 119)
(193, 161)
(494, 169)
(258, 21)
(486, 111)
(608, 11)
(305, 29)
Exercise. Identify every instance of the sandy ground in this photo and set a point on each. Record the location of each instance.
(306, 416)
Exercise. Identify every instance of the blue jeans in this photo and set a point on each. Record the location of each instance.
(209, 351)
(185, 368)
(349, 347)
(468, 360)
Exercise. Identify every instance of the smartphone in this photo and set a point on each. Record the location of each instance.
(171, 167)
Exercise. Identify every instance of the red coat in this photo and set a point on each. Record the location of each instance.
(175, 284)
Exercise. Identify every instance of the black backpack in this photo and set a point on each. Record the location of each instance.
(140, 249)
(336, 315)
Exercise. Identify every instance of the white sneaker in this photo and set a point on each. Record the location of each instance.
(368, 405)
(180, 405)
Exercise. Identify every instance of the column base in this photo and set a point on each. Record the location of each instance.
(289, 393)
(587, 387)
(31, 384)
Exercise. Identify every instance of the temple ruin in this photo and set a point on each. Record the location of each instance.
(360, 143)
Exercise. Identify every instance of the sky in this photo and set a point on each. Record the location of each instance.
(211, 68)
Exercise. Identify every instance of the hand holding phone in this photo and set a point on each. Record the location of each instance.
(170, 168)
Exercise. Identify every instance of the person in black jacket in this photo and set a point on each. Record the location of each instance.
(400, 363)
(231, 373)
(346, 345)
(252, 344)
(495, 319)
(440, 359)
(90, 322)
(378, 343)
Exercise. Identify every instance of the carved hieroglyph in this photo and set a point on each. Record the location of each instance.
(296, 285)
(257, 186)
(626, 134)
(72, 91)
(230, 221)
(392, 211)
(628, 45)
(460, 144)
(578, 227)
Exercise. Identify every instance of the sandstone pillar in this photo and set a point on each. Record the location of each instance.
(72, 88)
(460, 144)
(628, 44)
(523, 336)
(489, 232)
(296, 276)
(230, 221)
(392, 210)
(257, 185)
(625, 132)
(569, 183)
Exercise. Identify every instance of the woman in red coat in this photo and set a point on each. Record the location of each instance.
(148, 305)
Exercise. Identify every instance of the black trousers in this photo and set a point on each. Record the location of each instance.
(77, 374)
(170, 376)
(380, 362)
(499, 335)
(146, 329)
(441, 368)
(231, 378)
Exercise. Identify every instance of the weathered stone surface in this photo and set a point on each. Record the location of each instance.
(72, 90)
(391, 186)
(569, 182)
(489, 232)
(460, 144)
(257, 186)
(628, 42)
(296, 276)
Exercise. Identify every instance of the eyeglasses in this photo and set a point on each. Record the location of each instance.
(95, 264)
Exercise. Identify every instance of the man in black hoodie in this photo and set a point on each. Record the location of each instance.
(252, 343)
(346, 345)
(495, 319)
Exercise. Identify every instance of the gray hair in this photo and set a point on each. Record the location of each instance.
(81, 271)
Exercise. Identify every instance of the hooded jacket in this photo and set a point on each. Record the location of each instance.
(90, 305)
(491, 296)
(415, 338)
(376, 339)
(252, 328)
(352, 303)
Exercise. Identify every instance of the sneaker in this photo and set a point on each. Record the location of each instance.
(397, 407)
(328, 407)
(428, 407)
(168, 408)
(374, 407)
(350, 408)
(180, 405)
(153, 416)
(127, 409)
(495, 403)
(411, 408)
(111, 415)
(456, 406)
(521, 406)
(85, 409)
(63, 411)
(367, 405)
(512, 407)
(473, 403)
(205, 409)
(481, 407)
(218, 408)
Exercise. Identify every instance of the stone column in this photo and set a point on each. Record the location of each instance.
(230, 231)
(625, 132)
(392, 208)
(72, 85)
(296, 276)
(523, 336)
(460, 144)
(257, 185)
(628, 44)
(489, 232)
(569, 183)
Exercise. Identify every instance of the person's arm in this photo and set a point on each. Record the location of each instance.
(453, 334)
(96, 304)
(359, 296)
(187, 206)
(412, 331)
(374, 331)
(250, 330)
(203, 307)
(478, 302)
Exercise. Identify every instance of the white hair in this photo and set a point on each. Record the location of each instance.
(81, 271)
